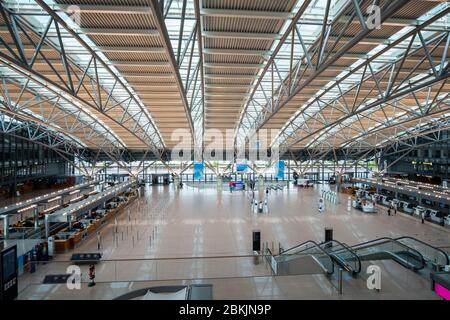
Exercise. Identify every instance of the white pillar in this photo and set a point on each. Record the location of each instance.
(47, 226)
(6, 226)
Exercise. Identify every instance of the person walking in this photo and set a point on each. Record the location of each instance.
(389, 211)
(423, 216)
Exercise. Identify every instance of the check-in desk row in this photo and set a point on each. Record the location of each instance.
(23, 206)
(25, 224)
(70, 237)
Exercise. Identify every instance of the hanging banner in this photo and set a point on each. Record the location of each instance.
(199, 168)
(279, 170)
(241, 167)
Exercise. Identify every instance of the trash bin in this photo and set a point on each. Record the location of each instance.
(328, 236)
(256, 257)
(256, 241)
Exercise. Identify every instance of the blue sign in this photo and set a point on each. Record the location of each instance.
(279, 171)
(199, 168)
(20, 265)
(241, 167)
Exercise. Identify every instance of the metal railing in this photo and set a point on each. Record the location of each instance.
(306, 249)
(430, 253)
(343, 255)
(388, 248)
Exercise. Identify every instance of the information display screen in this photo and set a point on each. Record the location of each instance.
(8, 274)
(9, 264)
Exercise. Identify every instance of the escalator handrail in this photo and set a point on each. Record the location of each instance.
(405, 263)
(387, 239)
(316, 246)
(442, 252)
(349, 249)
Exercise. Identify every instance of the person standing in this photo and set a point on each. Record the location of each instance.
(321, 205)
(98, 240)
(91, 275)
(423, 216)
(389, 211)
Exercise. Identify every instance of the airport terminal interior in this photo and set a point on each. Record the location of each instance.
(224, 150)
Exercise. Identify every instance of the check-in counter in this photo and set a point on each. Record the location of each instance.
(61, 246)
(78, 236)
(109, 214)
(90, 225)
(66, 240)
(96, 223)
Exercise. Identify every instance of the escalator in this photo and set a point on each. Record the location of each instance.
(435, 258)
(343, 255)
(388, 248)
(409, 252)
(305, 258)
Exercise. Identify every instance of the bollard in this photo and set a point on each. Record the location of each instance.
(133, 241)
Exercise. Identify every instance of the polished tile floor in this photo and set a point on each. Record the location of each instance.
(201, 225)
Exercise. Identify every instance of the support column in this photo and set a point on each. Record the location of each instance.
(176, 182)
(289, 171)
(260, 187)
(219, 182)
(36, 220)
(6, 226)
(323, 170)
(47, 226)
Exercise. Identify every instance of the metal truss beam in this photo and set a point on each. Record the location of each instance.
(65, 146)
(78, 129)
(200, 34)
(310, 64)
(90, 79)
(393, 89)
(384, 101)
(159, 19)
